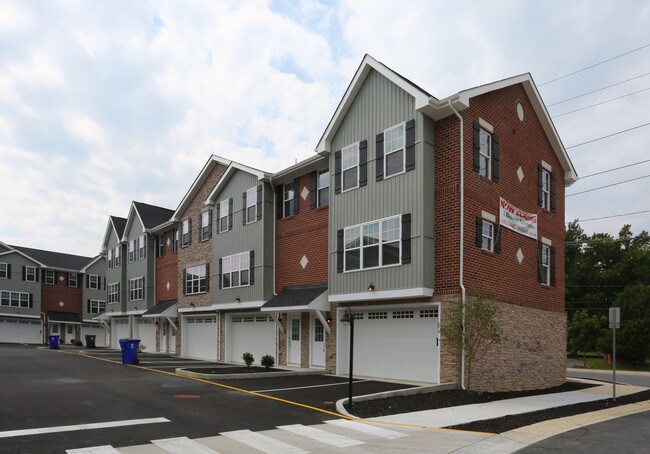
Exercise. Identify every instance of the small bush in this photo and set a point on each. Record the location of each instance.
(141, 348)
(78, 343)
(72, 341)
(248, 359)
(267, 361)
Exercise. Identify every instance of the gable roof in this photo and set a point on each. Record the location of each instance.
(149, 216)
(92, 262)
(230, 171)
(115, 224)
(57, 260)
(438, 109)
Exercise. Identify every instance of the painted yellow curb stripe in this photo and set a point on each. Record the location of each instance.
(278, 399)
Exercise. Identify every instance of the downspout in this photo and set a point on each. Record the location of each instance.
(218, 335)
(462, 243)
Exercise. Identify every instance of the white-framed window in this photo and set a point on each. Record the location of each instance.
(73, 280)
(114, 293)
(136, 289)
(132, 251)
(235, 270)
(14, 299)
(545, 264)
(97, 306)
(93, 281)
(142, 247)
(289, 200)
(161, 245)
(394, 154)
(251, 205)
(224, 210)
(350, 167)
(485, 154)
(50, 277)
(186, 232)
(487, 233)
(372, 245)
(4, 271)
(116, 256)
(323, 183)
(109, 258)
(196, 280)
(175, 241)
(206, 220)
(30, 273)
(546, 189)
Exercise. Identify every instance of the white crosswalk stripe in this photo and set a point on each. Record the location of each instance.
(323, 436)
(367, 428)
(182, 445)
(263, 443)
(107, 449)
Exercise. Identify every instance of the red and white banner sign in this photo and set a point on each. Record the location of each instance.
(515, 219)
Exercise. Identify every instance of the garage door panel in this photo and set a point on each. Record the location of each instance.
(250, 333)
(147, 334)
(20, 331)
(119, 330)
(200, 337)
(98, 331)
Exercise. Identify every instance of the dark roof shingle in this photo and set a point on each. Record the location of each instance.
(151, 215)
(55, 259)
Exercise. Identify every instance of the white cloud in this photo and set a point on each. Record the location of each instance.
(13, 17)
(87, 129)
(39, 69)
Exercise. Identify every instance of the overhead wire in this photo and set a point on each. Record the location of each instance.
(595, 91)
(607, 186)
(612, 216)
(599, 103)
(615, 168)
(609, 135)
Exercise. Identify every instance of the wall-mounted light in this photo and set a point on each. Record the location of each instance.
(237, 299)
(328, 317)
(192, 304)
(371, 287)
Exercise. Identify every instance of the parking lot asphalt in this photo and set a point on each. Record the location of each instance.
(45, 389)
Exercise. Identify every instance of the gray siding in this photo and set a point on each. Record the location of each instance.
(115, 275)
(379, 105)
(99, 269)
(140, 268)
(16, 284)
(257, 237)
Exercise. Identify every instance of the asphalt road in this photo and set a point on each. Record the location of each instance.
(627, 377)
(42, 389)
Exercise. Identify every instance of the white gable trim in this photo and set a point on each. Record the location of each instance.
(16, 251)
(91, 263)
(129, 221)
(261, 176)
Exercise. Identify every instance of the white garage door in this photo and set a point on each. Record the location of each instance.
(199, 337)
(119, 330)
(92, 329)
(250, 333)
(400, 343)
(146, 332)
(15, 330)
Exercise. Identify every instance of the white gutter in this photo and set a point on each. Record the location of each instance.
(218, 335)
(274, 217)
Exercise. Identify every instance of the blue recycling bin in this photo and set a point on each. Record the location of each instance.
(129, 350)
(54, 342)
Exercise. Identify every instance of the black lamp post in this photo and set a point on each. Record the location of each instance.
(349, 318)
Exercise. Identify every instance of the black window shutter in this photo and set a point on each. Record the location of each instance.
(185, 282)
(337, 172)
(259, 202)
(144, 289)
(251, 273)
(207, 277)
(218, 218)
(313, 196)
(479, 232)
(230, 213)
(539, 262)
(220, 273)
(279, 200)
(477, 146)
(406, 238)
(210, 223)
(37, 274)
(379, 159)
(88, 305)
(24, 272)
(244, 209)
(296, 196)
(8, 270)
(495, 158)
(497, 239)
(410, 145)
(189, 227)
(540, 185)
(31, 300)
(553, 193)
(199, 233)
(104, 283)
(553, 258)
(363, 163)
(339, 251)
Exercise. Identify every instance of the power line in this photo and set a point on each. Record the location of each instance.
(609, 135)
(615, 168)
(607, 186)
(594, 65)
(612, 216)
(599, 103)
(597, 90)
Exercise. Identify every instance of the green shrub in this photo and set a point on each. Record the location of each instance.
(72, 341)
(78, 343)
(248, 359)
(267, 361)
(141, 348)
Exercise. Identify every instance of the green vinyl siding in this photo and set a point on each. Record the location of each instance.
(16, 284)
(140, 268)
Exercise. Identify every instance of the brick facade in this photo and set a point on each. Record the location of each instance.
(166, 270)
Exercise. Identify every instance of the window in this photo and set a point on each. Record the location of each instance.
(96, 306)
(323, 187)
(485, 154)
(4, 271)
(196, 280)
(50, 277)
(206, 224)
(114, 293)
(372, 245)
(116, 256)
(72, 280)
(136, 289)
(15, 299)
(132, 251)
(161, 245)
(235, 270)
(250, 205)
(142, 247)
(546, 189)
(545, 264)
(289, 199)
(350, 167)
(109, 258)
(224, 211)
(186, 232)
(487, 236)
(30, 274)
(175, 241)
(394, 150)
(93, 281)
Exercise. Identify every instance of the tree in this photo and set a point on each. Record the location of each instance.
(584, 332)
(482, 328)
(633, 342)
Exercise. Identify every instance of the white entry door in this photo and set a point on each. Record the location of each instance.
(172, 339)
(294, 340)
(69, 333)
(164, 326)
(317, 343)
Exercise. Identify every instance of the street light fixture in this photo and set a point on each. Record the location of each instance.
(349, 318)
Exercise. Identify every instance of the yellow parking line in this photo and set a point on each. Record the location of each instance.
(266, 396)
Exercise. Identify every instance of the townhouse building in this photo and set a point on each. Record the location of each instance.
(115, 315)
(93, 301)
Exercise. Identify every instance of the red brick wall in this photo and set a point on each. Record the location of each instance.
(167, 271)
(52, 295)
(302, 234)
(521, 144)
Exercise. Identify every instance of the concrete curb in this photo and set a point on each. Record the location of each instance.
(285, 373)
(577, 370)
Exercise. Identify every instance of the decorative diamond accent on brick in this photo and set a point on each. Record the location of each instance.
(61, 304)
(169, 241)
(520, 256)
(304, 261)
(61, 278)
(305, 193)
(168, 285)
(520, 174)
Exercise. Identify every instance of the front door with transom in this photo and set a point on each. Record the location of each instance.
(172, 339)
(163, 335)
(317, 343)
(294, 340)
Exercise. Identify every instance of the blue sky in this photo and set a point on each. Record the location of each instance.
(102, 103)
